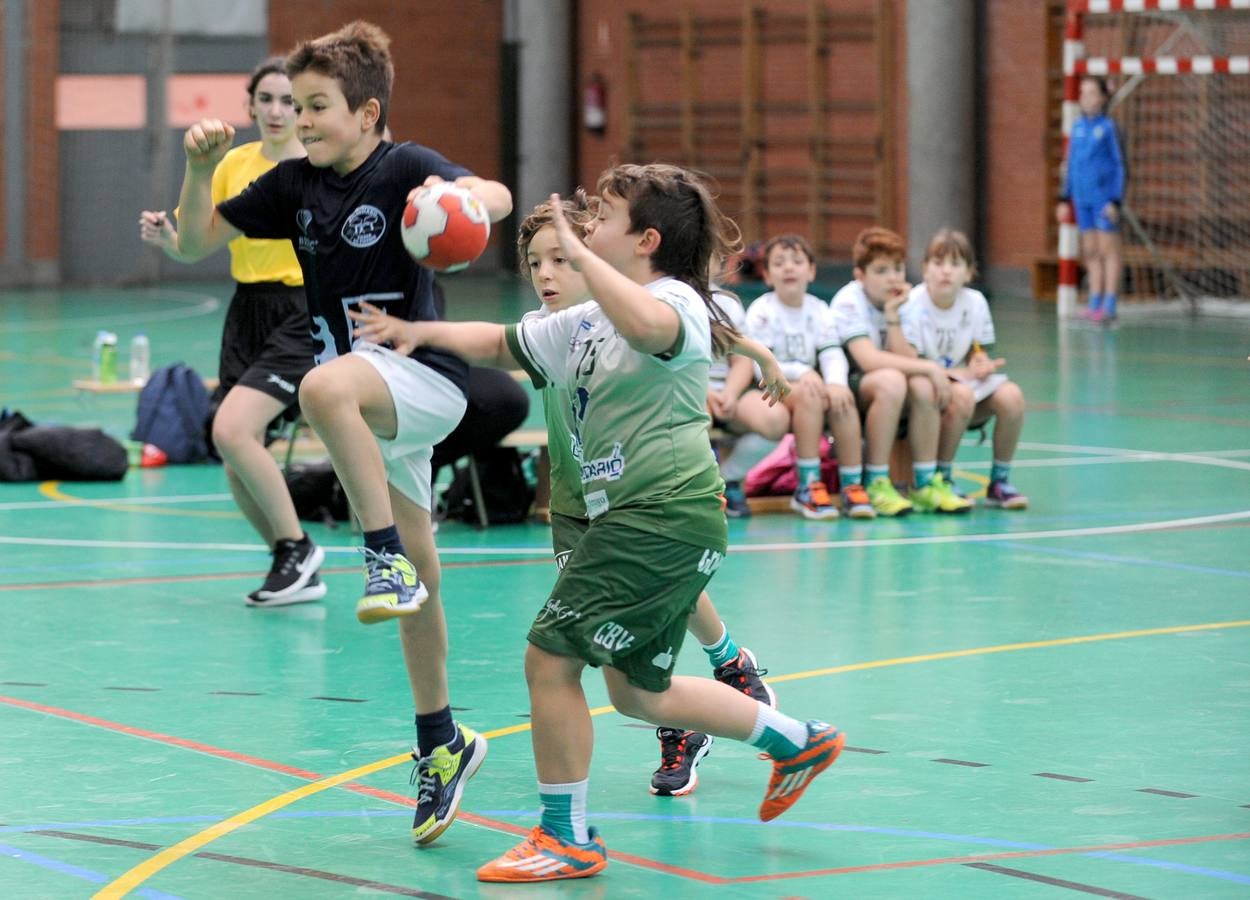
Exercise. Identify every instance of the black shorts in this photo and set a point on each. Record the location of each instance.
(266, 344)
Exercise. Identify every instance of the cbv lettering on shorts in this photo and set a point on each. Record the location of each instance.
(609, 467)
(710, 562)
(613, 638)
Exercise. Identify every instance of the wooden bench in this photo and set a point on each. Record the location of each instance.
(123, 386)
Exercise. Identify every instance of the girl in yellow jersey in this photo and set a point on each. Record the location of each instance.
(266, 347)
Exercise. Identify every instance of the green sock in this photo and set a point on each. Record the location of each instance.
(723, 650)
(999, 471)
(947, 469)
(850, 475)
(564, 810)
(778, 735)
(875, 473)
(809, 471)
(922, 473)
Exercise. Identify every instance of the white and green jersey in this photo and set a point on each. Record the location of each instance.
(731, 306)
(946, 335)
(565, 477)
(639, 420)
(855, 316)
(802, 338)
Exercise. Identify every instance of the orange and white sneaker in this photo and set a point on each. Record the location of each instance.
(813, 502)
(792, 776)
(544, 857)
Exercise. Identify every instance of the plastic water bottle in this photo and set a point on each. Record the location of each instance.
(105, 360)
(140, 358)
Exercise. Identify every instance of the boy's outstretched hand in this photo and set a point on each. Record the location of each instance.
(206, 142)
(375, 326)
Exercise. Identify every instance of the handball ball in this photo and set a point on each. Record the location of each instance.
(445, 227)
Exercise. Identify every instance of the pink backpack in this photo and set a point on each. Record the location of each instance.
(775, 475)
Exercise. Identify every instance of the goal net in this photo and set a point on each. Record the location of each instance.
(1179, 71)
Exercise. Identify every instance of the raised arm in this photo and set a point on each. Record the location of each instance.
(480, 343)
(203, 230)
(648, 325)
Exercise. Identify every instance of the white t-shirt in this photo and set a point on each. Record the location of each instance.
(946, 335)
(731, 306)
(855, 316)
(802, 338)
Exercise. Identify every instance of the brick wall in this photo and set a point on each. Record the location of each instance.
(1018, 177)
(447, 67)
(43, 233)
(852, 79)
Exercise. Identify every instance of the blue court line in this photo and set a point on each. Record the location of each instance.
(1112, 855)
(46, 862)
(1125, 560)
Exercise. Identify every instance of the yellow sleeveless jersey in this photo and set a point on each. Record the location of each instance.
(253, 260)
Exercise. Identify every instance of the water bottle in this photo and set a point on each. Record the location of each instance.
(105, 360)
(140, 358)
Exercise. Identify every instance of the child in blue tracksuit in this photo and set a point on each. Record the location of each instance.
(1095, 186)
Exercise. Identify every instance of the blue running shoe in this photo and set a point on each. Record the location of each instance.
(392, 588)
(441, 777)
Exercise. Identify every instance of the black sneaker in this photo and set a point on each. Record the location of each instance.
(744, 674)
(314, 590)
(440, 779)
(736, 506)
(293, 576)
(680, 753)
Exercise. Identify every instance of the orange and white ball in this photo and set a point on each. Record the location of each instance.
(445, 227)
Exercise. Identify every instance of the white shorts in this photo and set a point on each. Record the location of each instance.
(427, 408)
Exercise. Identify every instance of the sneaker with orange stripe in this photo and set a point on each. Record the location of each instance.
(792, 776)
(545, 857)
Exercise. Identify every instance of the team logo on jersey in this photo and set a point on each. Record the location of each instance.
(364, 227)
(1097, 132)
(307, 244)
(609, 467)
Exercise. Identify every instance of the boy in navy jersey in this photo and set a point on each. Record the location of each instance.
(378, 413)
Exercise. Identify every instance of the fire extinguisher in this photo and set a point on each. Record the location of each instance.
(595, 105)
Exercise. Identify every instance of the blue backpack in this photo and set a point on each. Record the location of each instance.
(173, 414)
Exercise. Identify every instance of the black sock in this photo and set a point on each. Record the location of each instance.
(384, 540)
(435, 729)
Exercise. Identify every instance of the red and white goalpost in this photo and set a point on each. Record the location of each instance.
(1181, 98)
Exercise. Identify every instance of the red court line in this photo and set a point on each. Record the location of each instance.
(230, 576)
(258, 762)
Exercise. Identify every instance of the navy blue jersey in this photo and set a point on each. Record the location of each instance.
(346, 233)
(1095, 164)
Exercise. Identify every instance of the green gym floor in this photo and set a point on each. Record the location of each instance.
(1038, 704)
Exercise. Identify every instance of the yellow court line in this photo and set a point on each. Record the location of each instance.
(1004, 648)
(52, 490)
(131, 879)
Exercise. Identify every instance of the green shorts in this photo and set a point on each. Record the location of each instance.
(566, 532)
(622, 600)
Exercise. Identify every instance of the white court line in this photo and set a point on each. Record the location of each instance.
(1125, 455)
(1163, 525)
